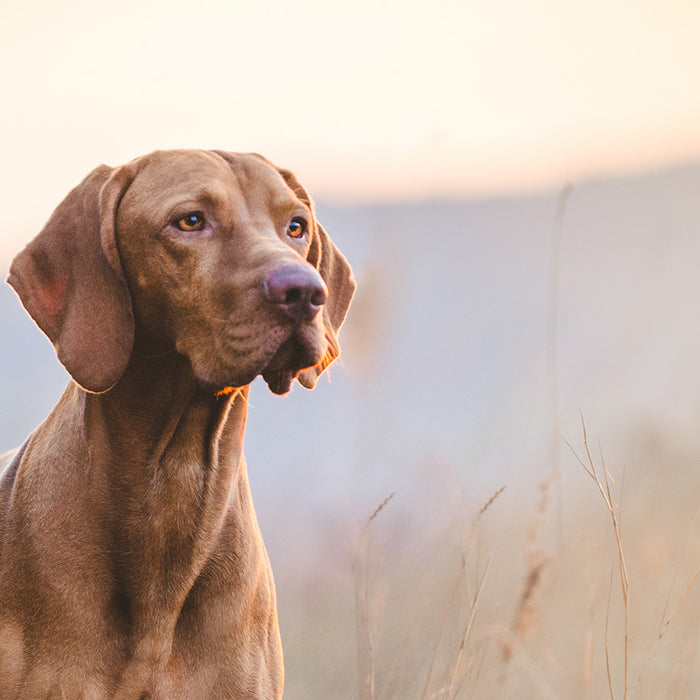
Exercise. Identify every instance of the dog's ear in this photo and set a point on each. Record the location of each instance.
(336, 273)
(69, 279)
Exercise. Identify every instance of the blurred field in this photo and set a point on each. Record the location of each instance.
(521, 598)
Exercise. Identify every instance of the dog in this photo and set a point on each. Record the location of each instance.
(131, 563)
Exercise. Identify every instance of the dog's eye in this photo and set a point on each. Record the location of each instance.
(190, 222)
(297, 227)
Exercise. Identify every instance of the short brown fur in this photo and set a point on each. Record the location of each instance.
(131, 563)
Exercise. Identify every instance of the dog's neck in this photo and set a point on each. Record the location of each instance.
(156, 406)
(169, 462)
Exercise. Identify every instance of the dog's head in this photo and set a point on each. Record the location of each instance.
(215, 255)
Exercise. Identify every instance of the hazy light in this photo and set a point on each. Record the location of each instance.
(371, 100)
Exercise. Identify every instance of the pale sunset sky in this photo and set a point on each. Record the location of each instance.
(371, 99)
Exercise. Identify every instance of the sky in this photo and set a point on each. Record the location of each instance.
(369, 100)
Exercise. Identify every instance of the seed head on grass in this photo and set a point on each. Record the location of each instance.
(536, 561)
(381, 507)
(489, 503)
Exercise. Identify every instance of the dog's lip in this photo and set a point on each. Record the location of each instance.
(278, 369)
(285, 352)
(280, 381)
(293, 355)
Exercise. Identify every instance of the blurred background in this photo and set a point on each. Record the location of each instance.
(517, 188)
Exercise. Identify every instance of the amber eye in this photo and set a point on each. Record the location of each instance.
(297, 227)
(193, 221)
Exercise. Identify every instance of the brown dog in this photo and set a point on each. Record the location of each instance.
(131, 563)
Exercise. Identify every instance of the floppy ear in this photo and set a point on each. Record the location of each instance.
(337, 275)
(69, 279)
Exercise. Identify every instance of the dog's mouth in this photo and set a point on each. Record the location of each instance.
(279, 364)
(293, 356)
(280, 381)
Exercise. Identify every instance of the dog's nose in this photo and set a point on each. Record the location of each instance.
(297, 289)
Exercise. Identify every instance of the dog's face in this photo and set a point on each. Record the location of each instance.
(198, 237)
(217, 255)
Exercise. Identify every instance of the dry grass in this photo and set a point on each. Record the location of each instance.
(613, 509)
(364, 602)
(487, 606)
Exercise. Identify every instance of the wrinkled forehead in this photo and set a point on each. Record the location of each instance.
(245, 182)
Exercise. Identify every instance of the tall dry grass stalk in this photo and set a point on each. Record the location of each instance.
(666, 616)
(553, 346)
(457, 675)
(614, 510)
(363, 603)
(456, 672)
(451, 663)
